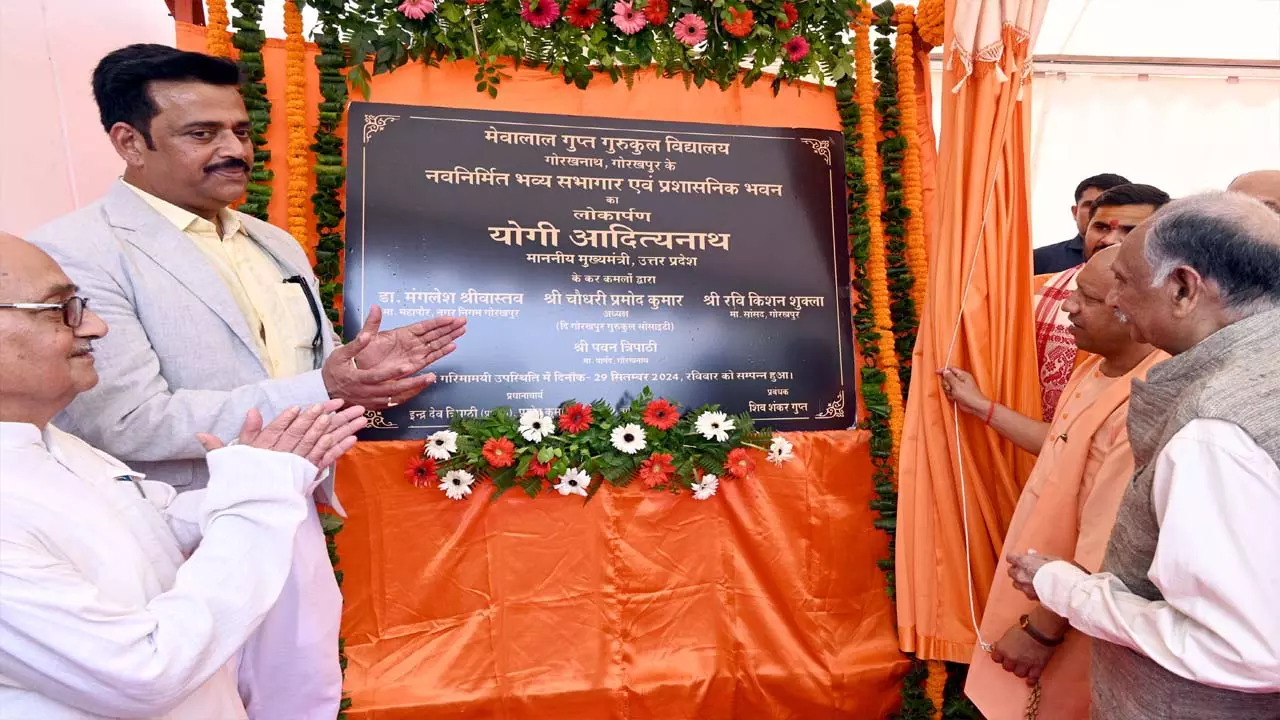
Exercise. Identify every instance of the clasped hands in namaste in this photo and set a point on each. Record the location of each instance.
(379, 369)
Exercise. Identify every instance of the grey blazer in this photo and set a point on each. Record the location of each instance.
(178, 358)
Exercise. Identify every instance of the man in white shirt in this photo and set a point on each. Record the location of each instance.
(1188, 596)
(118, 597)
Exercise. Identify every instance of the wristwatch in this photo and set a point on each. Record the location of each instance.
(1024, 622)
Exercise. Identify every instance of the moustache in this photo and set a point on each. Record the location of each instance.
(83, 349)
(232, 164)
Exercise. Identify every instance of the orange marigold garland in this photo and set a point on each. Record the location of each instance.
(877, 267)
(217, 38)
(912, 177)
(929, 21)
(295, 94)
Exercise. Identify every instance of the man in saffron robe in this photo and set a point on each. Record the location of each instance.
(1114, 213)
(1067, 507)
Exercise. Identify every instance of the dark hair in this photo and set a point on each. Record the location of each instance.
(1102, 182)
(1134, 194)
(121, 81)
(1228, 240)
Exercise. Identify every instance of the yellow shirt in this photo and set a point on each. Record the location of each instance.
(278, 313)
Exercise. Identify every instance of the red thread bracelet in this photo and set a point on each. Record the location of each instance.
(991, 413)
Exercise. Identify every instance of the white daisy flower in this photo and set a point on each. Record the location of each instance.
(628, 439)
(706, 487)
(442, 445)
(714, 426)
(573, 482)
(780, 450)
(457, 484)
(535, 425)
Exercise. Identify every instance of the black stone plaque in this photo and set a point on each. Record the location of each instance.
(593, 257)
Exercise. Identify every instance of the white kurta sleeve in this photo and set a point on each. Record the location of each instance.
(1216, 495)
(60, 638)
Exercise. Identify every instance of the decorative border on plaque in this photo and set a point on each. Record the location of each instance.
(834, 410)
(374, 124)
(821, 147)
(374, 419)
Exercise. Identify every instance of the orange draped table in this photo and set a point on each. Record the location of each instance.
(763, 602)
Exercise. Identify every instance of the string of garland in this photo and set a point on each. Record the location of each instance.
(912, 173)
(249, 39)
(877, 276)
(295, 98)
(217, 39)
(929, 21)
(582, 39)
(892, 150)
(330, 171)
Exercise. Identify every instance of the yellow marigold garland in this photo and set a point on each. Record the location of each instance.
(877, 264)
(295, 94)
(929, 21)
(217, 37)
(912, 178)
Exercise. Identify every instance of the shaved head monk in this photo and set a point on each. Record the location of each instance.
(1067, 508)
(1261, 184)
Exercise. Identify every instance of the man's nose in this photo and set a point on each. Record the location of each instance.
(91, 325)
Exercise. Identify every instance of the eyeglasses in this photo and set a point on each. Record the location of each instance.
(72, 309)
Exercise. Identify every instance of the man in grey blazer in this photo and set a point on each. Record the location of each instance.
(213, 313)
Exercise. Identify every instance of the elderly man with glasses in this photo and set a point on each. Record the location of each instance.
(118, 597)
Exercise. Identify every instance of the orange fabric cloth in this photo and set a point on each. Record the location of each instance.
(1055, 345)
(1066, 510)
(983, 225)
(763, 602)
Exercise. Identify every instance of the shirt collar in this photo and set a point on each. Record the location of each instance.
(185, 219)
(15, 435)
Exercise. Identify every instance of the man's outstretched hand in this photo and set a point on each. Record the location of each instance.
(379, 368)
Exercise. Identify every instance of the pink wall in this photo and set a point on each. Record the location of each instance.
(55, 156)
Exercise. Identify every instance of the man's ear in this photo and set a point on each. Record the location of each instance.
(1186, 290)
(130, 144)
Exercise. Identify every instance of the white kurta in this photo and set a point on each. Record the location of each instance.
(1216, 495)
(101, 614)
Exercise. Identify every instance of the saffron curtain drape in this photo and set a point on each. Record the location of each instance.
(977, 316)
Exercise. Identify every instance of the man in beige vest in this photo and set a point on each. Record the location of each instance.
(1187, 599)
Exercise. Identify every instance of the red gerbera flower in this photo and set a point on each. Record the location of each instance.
(797, 49)
(580, 14)
(499, 452)
(790, 11)
(476, 2)
(540, 13)
(740, 22)
(739, 463)
(656, 470)
(422, 472)
(537, 469)
(661, 414)
(657, 11)
(577, 417)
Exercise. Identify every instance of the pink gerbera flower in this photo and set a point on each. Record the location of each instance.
(417, 9)
(691, 29)
(627, 18)
(540, 13)
(797, 49)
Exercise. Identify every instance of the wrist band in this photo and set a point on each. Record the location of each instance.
(1024, 622)
(991, 413)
